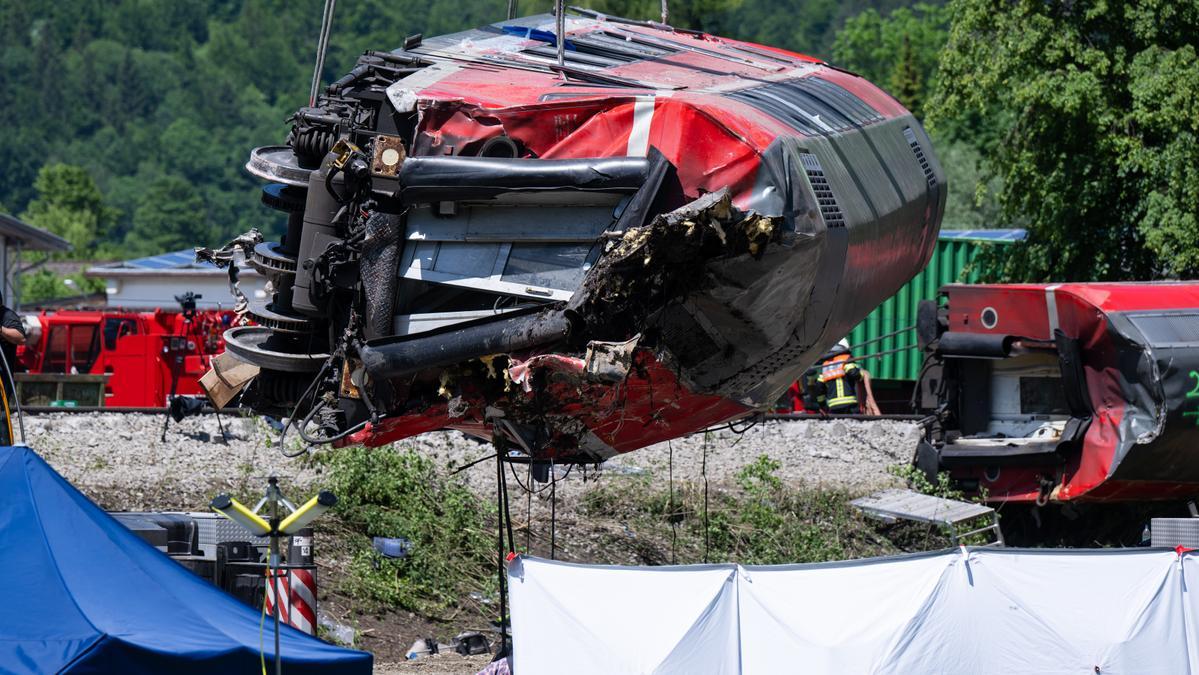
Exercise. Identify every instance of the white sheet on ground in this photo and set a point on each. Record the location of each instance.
(968, 610)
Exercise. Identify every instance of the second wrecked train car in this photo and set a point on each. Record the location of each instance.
(1079, 392)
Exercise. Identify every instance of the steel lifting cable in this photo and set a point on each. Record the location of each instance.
(560, 11)
(508, 514)
(875, 355)
(528, 505)
(704, 472)
(501, 558)
(553, 512)
(322, 46)
(674, 525)
(884, 336)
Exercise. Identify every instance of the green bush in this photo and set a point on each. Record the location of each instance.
(769, 522)
(758, 520)
(385, 492)
(945, 489)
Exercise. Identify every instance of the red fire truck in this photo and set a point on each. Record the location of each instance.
(147, 355)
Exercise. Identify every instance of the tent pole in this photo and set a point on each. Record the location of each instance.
(501, 570)
(274, 567)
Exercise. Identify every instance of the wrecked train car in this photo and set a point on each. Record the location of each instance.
(1080, 392)
(654, 235)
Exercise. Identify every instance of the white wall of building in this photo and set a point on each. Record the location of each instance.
(159, 290)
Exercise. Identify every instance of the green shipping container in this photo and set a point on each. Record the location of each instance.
(956, 249)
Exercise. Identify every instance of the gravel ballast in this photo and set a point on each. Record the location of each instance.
(120, 461)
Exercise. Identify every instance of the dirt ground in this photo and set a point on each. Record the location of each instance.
(438, 664)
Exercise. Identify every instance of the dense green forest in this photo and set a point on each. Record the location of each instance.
(128, 121)
(159, 101)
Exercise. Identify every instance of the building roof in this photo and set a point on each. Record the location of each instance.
(175, 263)
(1011, 235)
(32, 238)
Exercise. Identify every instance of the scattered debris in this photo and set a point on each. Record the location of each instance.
(337, 631)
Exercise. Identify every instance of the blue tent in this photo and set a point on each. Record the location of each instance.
(79, 593)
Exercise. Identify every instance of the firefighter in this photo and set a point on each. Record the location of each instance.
(12, 333)
(801, 395)
(841, 385)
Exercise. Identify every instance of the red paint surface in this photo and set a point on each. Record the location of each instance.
(649, 407)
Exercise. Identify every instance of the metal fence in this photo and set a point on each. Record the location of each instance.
(889, 331)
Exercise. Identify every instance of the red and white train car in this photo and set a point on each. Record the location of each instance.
(1076, 392)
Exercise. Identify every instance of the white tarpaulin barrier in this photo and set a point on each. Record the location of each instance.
(968, 610)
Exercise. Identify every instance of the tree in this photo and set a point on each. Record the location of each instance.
(70, 205)
(1099, 153)
(43, 284)
(170, 216)
(900, 51)
(131, 90)
(897, 50)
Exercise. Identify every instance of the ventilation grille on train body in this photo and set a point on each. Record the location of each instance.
(829, 209)
(600, 49)
(811, 105)
(920, 157)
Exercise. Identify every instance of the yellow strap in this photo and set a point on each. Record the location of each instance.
(261, 625)
(7, 414)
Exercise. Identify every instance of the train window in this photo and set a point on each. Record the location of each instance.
(85, 347)
(1027, 385)
(1043, 396)
(559, 266)
(56, 350)
(1167, 329)
(117, 328)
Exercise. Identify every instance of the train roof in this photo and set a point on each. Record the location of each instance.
(514, 63)
(1105, 296)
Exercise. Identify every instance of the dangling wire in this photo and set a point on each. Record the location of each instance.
(528, 504)
(553, 512)
(704, 471)
(674, 524)
(322, 46)
(665, 12)
(507, 512)
(501, 498)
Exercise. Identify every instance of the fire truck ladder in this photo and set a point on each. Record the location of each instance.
(952, 515)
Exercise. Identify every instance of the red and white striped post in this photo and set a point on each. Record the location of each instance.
(302, 582)
(297, 587)
(278, 579)
(302, 612)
